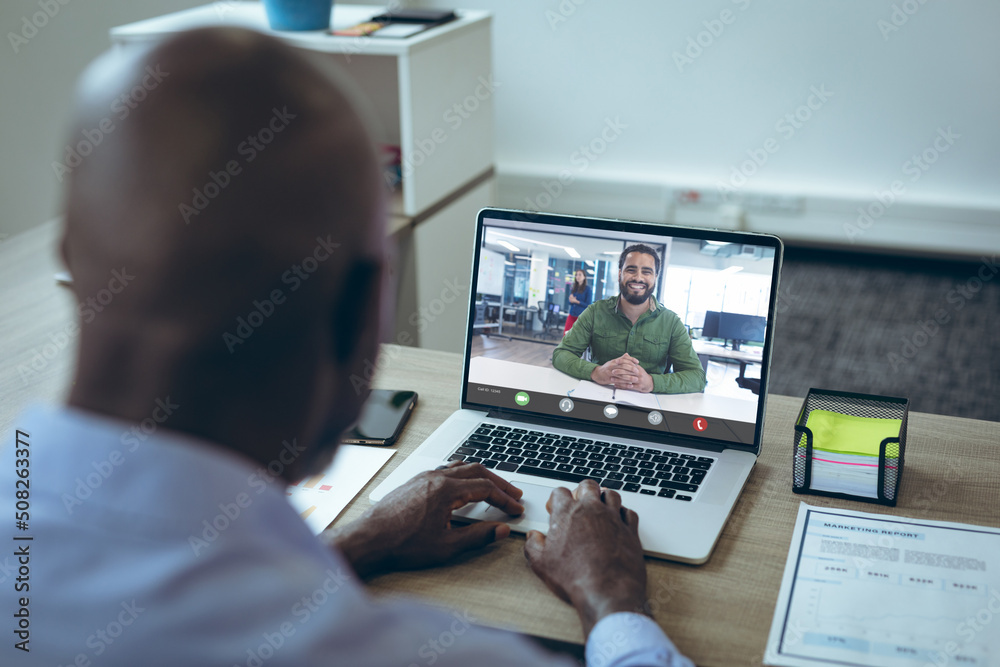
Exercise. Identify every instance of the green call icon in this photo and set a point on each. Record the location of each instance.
(521, 398)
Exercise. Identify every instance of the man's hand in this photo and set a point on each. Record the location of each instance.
(591, 557)
(410, 528)
(624, 372)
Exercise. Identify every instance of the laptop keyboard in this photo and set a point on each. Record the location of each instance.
(629, 468)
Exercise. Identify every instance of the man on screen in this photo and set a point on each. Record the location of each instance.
(632, 338)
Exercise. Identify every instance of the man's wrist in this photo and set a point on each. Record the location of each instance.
(591, 608)
(358, 548)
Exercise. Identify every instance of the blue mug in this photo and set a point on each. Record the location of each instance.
(298, 14)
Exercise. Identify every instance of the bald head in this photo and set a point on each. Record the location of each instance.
(241, 195)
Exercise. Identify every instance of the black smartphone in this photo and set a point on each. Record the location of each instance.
(382, 418)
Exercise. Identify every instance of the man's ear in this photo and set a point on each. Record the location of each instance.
(355, 311)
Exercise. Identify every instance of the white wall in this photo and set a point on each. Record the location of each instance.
(36, 86)
(682, 127)
(564, 67)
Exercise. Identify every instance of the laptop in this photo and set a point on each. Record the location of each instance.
(680, 460)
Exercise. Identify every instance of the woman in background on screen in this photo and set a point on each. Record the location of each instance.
(579, 298)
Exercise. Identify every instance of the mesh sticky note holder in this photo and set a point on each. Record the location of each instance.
(850, 446)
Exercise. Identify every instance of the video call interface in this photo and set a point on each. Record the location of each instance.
(533, 281)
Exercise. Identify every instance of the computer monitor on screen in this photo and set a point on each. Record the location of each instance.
(741, 328)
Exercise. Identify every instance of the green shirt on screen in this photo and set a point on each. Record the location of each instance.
(658, 340)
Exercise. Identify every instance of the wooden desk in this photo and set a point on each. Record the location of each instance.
(718, 613)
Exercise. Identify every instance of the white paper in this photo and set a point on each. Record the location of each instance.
(873, 590)
(320, 499)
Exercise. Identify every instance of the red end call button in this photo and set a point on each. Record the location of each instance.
(700, 424)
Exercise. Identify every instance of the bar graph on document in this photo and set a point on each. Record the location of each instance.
(883, 591)
(321, 498)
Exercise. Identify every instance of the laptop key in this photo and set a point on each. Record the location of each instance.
(582, 470)
(562, 476)
(546, 465)
(515, 459)
(661, 459)
(612, 467)
(490, 464)
(548, 449)
(684, 479)
(664, 474)
(579, 462)
(501, 428)
(631, 487)
(456, 457)
(473, 459)
(705, 459)
(529, 446)
(499, 441)
(646, 465)
(677, 461)
(562, 459)
(497, 448)
(629, 470)
(507, 466)
(615, 475)
(650, 481)
(698, 465)
(477, 437)
(611, 458)
(634, 479)
(545, 441)
(468, 451)
(518, 430)
(668, 484)
(529, 438)
(630, 462)
(594, 456)
(564, 467)
(648, 492)
(532, 462)
(612, 484)
(546, 457)
(498, 457)
(536, 434)
(666, 493)
(565, 451)
(689, 457)
(682, 497)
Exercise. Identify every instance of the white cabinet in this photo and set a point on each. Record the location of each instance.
(430, 94)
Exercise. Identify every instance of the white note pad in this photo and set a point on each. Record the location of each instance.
(872, 590)
(321, 498)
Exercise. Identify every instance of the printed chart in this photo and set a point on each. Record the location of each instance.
(883, 591)
(321, 498)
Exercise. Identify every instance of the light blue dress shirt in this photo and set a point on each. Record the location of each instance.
(150, 547)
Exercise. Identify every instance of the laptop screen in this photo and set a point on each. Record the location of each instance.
(649, 328)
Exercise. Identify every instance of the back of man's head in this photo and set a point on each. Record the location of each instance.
(236, 192)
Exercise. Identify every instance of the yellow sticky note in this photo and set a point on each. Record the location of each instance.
(847, 434)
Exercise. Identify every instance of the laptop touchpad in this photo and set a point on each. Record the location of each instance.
(534, 499)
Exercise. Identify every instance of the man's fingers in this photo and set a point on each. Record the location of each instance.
(475, 489)
(534, 545)
(473, 470)
(587, 489)
(558, 499)
(477, 535)
(631, 519)
(613, 500)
